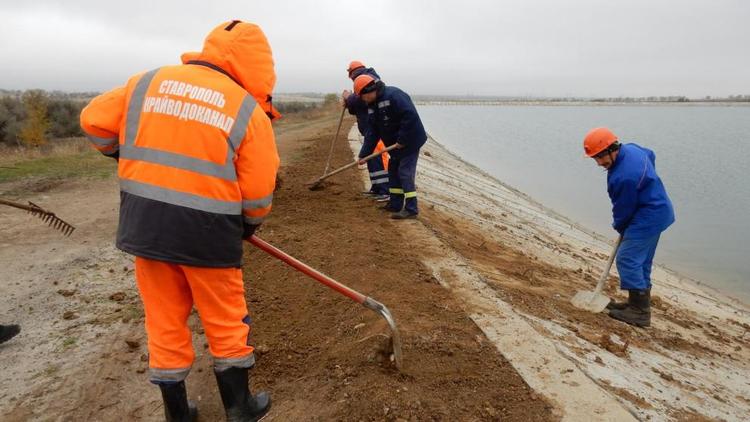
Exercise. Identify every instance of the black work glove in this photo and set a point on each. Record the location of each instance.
(115, 155)
(249, 230)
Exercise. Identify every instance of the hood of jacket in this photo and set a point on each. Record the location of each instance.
(241, 49)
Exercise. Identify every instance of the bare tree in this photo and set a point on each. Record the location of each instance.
(34, 130)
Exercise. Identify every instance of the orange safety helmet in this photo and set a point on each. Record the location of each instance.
(598, 140)
(361, 82)
(355, 64)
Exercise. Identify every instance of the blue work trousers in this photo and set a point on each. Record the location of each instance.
(634, 260)
(402, 172)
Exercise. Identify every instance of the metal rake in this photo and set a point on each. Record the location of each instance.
(47, 216)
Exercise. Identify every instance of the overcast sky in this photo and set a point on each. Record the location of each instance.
(538, 48)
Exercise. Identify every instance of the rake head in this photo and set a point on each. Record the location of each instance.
(51, 219)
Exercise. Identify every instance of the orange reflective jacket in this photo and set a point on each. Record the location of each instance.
(197, 155)
(380, 146)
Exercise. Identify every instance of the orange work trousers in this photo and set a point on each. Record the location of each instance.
(168, 292)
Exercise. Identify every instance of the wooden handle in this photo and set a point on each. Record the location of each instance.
(333, 141)
(350, 165)
(20, 206)
(605, 273)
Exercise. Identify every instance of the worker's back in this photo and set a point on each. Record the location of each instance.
(639, 200)
(197, 158)
(394, 118)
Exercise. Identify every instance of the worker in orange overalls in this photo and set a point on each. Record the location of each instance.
(197, 163)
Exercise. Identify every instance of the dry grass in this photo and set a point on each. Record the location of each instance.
(60, 159)
(10, 155)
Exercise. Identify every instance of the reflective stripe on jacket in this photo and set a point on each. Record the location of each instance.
(197, 160)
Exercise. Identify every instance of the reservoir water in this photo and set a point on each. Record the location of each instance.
(701, 155)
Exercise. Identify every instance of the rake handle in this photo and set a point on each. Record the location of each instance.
(21, 206)
(333, 141)
(350, 165)
(605, 273)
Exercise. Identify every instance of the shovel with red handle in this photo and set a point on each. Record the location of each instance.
(352, 294)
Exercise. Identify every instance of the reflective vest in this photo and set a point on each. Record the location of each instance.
(197, 163)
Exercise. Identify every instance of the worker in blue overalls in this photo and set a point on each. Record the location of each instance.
(394, 119)
(357, 107)
(641, 211)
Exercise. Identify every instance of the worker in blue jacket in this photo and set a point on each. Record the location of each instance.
(641, 211)
(357, 107)
(394, 119)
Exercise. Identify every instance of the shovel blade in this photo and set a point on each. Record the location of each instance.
(590, 301)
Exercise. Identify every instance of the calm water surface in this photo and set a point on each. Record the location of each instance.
(702, 156)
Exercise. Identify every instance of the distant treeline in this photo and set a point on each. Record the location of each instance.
(287, 107)
(662, 99)
(649, 99)
(33, 117)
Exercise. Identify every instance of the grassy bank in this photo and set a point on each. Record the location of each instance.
(74, 157)
(64, 159)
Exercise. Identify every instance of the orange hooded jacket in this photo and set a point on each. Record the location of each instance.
(197, 155)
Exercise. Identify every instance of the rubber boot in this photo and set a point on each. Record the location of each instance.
(387, 207)
(622, 305)
(637, 313)
(177, 408)
(239, 404)
(7, 332)
(403, 215)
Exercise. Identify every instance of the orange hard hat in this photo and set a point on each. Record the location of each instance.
(355, 64)
(361, 82)
(597, 140)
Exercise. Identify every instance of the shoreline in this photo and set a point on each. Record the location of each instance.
(741, 299)
(501, 103)
(516, 263)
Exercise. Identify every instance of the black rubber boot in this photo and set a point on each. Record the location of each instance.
(623, 305)
(177, 408)
(7, 332)
(403, 215)
(239, 404)
(387, 207)
(638, 310)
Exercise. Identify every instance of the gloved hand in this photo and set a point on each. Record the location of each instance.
(115, 155)
(345, 96)
(249, 230)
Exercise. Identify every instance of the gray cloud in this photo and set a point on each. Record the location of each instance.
(543, 48)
